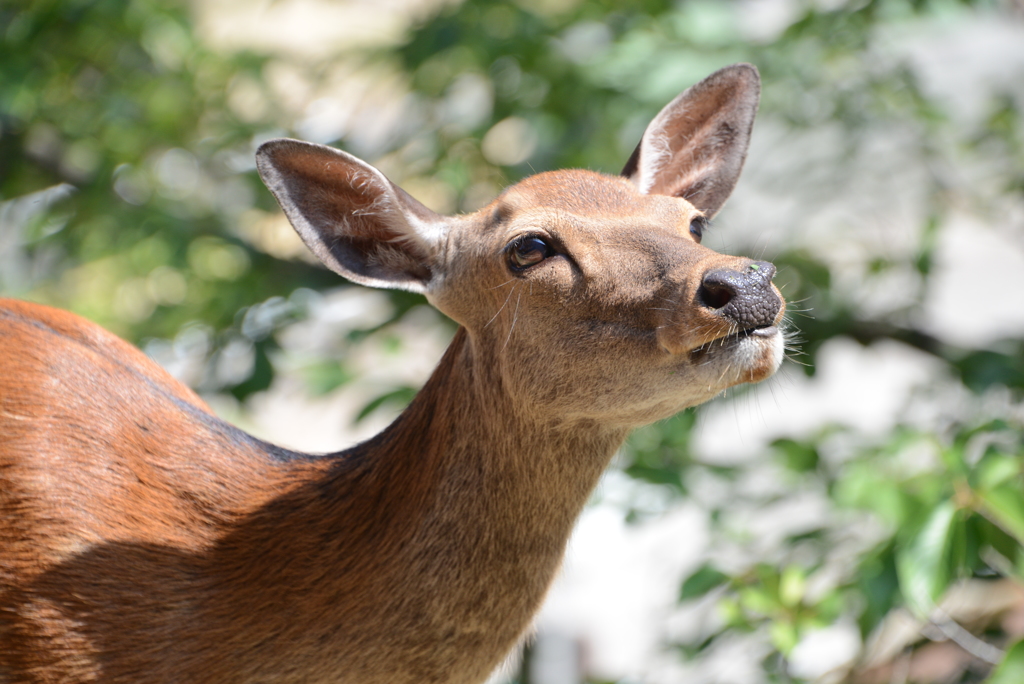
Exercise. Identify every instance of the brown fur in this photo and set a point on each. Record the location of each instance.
(142, 539)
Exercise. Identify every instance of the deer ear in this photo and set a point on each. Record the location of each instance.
(695, 147)
(356, 221)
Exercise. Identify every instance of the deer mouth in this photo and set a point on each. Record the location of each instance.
(731, 340)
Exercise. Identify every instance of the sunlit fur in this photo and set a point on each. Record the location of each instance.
(617, 307)
(142, 539)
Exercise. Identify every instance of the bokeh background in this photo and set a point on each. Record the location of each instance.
(858, 518)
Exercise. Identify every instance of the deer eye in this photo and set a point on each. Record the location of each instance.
(527, 251)
(697, 226)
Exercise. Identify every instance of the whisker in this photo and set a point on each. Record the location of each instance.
(789, 357)
(510, 280)
(502, 307)
(515, 317)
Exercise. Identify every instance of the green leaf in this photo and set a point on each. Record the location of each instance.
(784, 636)
(864, 485)
(759, 601)
(1011, 670)
(326, 376)
(792, 586)
(262, 373)
(996, 469)
(1005, 506)
(706, 578)
(668, 475)
(924, 565)
(399, 397)
(800, 457)
(730, 611)
(953, 457)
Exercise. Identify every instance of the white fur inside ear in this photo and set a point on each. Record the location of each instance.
(354, 219)
(654, 154)
(418, 234)
(695, 147)
(409, 230)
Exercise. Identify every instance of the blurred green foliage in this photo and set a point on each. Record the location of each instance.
(129, 196)
(961, 516)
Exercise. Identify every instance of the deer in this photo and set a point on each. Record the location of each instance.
(143, 539)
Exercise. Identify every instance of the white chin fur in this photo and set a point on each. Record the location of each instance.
(778, 349)
(758, 351)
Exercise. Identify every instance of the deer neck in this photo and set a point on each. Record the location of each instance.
(501, 489)
(537, 471)
(448, 526)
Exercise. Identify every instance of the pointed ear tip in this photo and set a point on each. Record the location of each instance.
(744, 70)
(272, 147)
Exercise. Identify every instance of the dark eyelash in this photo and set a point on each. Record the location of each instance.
(702, 224)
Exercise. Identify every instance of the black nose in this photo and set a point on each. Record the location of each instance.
(746, 297)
